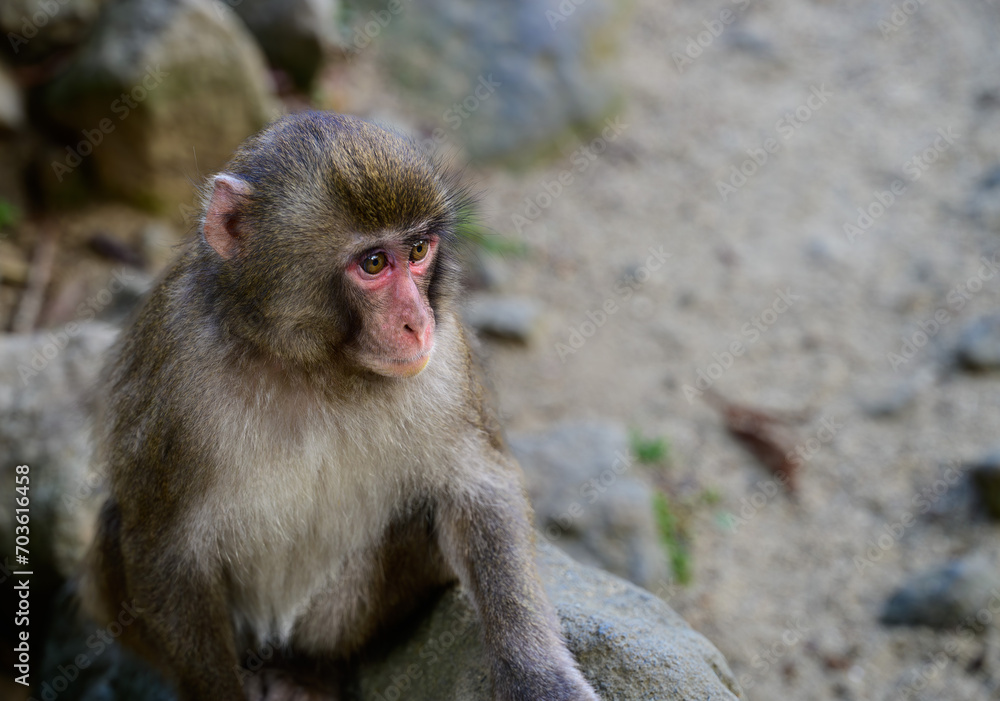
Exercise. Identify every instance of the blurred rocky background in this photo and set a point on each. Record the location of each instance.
(738, 288)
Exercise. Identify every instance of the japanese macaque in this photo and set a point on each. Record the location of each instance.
(297, 444)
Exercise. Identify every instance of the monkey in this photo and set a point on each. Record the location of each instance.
(298, 445)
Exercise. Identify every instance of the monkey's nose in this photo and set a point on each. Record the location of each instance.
(420, 328)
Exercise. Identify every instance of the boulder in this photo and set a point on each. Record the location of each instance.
(46, 394)
(160, 93)
(591, 502)
(36, 29)
(46, 382)
(503, 80)
(630, 645)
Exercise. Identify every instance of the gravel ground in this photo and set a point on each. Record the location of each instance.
(852, 106)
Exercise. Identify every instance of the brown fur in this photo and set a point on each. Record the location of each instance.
(268, 490)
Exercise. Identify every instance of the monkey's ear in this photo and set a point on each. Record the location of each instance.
(223, 217)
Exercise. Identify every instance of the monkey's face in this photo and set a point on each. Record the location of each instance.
(391, 281)
(331, 245)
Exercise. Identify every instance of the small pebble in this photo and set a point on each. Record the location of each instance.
(985, 476)
(979, 343)
(944, 597)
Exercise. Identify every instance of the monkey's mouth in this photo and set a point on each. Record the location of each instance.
(404, 367)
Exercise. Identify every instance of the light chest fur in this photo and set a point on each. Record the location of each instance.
(310, 482)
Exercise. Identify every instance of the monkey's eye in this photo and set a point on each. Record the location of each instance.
(419, 251)
(374, 263)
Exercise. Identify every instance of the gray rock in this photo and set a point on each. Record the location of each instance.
(979, 343)
(35, 29)
(160, 92)
(629, 644)
(502, 79)
(46, 381)
(510, 318)
(985, 477)
(589, 500)
(946, 596)
(294, 35)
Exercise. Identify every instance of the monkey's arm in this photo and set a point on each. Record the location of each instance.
(184, 617)
(487, 540)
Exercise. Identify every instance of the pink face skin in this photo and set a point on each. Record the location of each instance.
(393, 277)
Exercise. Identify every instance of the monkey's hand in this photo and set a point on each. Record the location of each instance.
(546, 682)
(487, 538)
